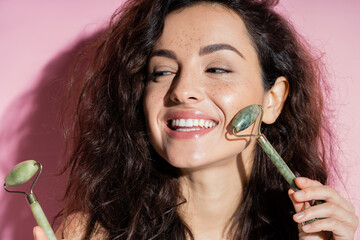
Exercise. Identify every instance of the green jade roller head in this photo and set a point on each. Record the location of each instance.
(20, 174)
(244, 119)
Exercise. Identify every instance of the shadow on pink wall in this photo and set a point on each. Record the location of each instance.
(32, 130)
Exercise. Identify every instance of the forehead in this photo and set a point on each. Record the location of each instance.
(203, 23)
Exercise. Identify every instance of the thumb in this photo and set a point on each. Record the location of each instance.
(39, 233)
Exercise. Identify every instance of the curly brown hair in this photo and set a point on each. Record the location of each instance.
(118, 179)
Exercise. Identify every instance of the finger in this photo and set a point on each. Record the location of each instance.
(303, 182)
(298, 206)
(39, 234)
(339, 229)
(312, 189)
(325, 193)
(326, 210)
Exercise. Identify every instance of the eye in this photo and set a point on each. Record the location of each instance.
(155, 75)
(218, 70)
(160, 73)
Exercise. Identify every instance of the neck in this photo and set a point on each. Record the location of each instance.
(213, 195)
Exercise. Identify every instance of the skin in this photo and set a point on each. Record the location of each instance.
(218, 84)
(190, 80)
(339, 218)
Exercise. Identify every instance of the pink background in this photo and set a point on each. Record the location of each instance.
(38, 43)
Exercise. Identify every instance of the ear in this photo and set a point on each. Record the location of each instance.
(274, 100)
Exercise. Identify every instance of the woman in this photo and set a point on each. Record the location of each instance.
(153, 155)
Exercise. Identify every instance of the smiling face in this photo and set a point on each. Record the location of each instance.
(202, 71)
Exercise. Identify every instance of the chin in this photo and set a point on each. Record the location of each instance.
(193, 164)
(188, 163)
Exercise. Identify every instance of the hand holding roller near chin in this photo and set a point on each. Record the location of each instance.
(20, 174)
(244, 119)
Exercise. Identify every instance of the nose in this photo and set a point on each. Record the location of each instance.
(187, 88)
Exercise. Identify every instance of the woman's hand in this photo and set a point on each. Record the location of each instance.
(39, 233)
(338, 218)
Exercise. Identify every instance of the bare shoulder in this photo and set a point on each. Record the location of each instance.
(74, 228)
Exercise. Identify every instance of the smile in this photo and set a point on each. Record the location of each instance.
(188, 125)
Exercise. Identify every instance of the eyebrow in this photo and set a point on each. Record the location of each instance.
(203, 51)
(217, 47)
(163, 53)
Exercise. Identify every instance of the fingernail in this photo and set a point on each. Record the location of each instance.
(299, 193)
(299, 215)
(301, 179)
(306, 227)
(35, 233)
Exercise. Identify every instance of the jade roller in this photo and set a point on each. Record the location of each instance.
(20, 174)
(244, 119)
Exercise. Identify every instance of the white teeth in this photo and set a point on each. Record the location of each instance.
(192, 124)
(189, 123)
(196, 122)
(201, 122)
(182, 123)
(187, 129)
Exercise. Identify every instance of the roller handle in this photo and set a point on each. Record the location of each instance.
(281, 166)
(277, 161)
(40, 216)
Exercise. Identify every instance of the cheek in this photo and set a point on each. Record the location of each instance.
(153, 99)
(156, 92)
(153, 105)
(225, 93)
(151, 119)
(227, 97)
(149, 110)
(231, 103)
(232, 97)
